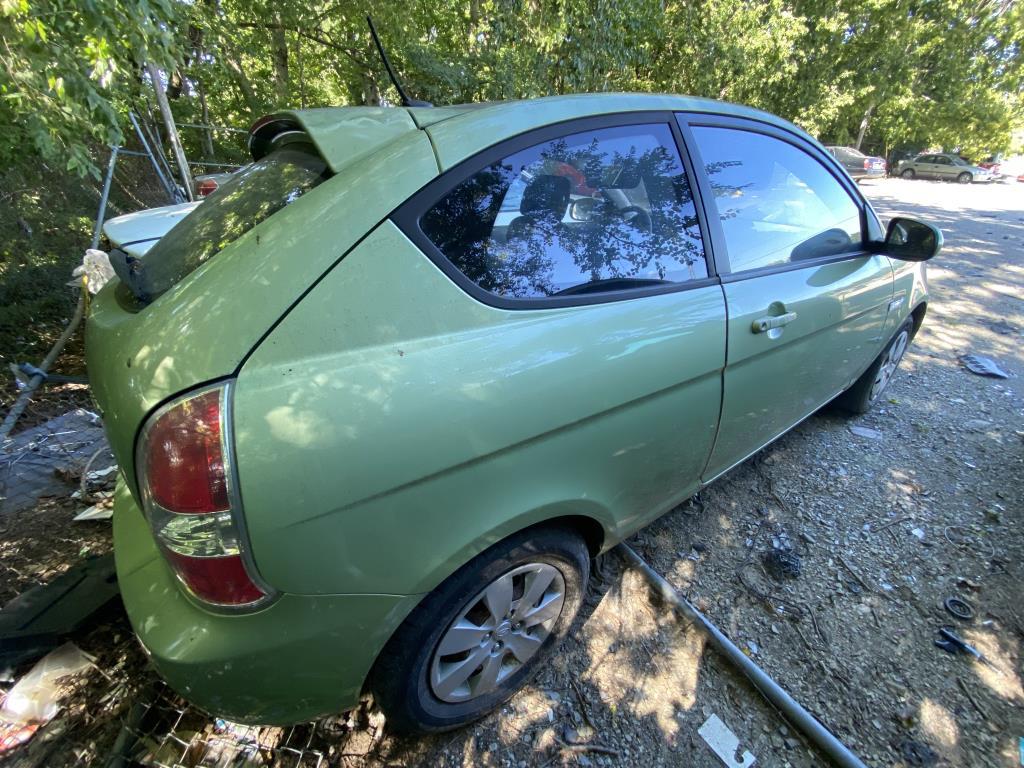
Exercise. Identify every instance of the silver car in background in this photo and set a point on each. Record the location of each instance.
(857, 164)
(943, 165)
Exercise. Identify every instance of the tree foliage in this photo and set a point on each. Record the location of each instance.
(888, 73)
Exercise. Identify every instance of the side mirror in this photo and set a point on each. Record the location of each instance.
(911, 240)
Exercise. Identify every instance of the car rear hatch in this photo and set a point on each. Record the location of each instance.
(191, 309)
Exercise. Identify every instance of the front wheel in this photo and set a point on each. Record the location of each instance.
(868, 389)
(908, 173)
(483, 633)
(964, 178)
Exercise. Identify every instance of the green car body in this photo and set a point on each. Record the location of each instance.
(387, 425)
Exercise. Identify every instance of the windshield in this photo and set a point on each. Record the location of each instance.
(253, 194)
(959, 161)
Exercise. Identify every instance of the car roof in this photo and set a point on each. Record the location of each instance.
(345, 134)
(464, 130)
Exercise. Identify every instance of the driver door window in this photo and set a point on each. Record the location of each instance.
(777, 204)
(604, 210)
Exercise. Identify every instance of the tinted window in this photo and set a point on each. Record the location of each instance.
(604, 210)
(251, 195)
(777, 204)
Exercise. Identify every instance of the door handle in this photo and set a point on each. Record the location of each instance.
(764, 324)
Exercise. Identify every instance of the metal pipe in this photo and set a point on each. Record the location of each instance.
(101, 214)
(172, 130)
(23, 399)
(171, 192)
(226, 128)
(33, 383)
(771, 690)
(214, 165)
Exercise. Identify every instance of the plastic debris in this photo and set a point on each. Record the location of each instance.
(35, 699)
(724, 743)
(983, 366)
(99, 474)
(95, 512)
(96, 269)
(871, 434)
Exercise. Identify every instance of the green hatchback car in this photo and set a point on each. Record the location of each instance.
(380, 399)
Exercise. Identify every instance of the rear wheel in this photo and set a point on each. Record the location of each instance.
(480, 636)
(908, 173)
(868, 389)
(965, 178)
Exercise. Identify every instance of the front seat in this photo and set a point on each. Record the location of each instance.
(545, 202)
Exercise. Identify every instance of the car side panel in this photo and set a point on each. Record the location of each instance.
(771, 383)
(392, 426)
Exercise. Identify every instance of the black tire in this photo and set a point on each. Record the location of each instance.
(908, 173)
(400, 681)
(965, 178)
(863, 393)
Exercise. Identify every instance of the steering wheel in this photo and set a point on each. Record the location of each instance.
(638, 218)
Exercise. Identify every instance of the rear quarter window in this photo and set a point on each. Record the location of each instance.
(249, 197)
(593, 212)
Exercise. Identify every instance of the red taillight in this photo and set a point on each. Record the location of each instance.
(224, 578)
(206, 186)
(185, 458)
(185, 479)
(867, 163)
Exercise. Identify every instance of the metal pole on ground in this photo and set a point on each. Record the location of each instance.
(771, 690)
(33, 384)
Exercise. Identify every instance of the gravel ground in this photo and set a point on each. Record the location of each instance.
(924, 505)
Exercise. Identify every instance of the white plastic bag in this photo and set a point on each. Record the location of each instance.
(35, 697)
(96, 268)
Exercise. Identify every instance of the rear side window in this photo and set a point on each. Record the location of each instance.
(251, 195)
(777, 204)
(604, 210)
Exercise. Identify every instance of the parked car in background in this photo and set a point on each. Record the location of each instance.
(993, 164)
(380, 399)
(135, 233)
(208, 183)
(857, 164)
(943, 165)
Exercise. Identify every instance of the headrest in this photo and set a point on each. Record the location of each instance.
(546, 194)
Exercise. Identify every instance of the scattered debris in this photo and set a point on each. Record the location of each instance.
(983, 366)
(781, 563)
(724, 743)
(95, 512)
(918, 533)
(35, 621)
(950, 642)
(35, 698)
(917, 753)
(961, 609)
(871, 434)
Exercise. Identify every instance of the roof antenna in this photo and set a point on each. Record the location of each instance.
(406, 101)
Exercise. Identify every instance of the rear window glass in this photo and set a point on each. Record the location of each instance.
(251, 195)
(605, 210)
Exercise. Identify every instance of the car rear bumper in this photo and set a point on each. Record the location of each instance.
(870, 173)
(299, 658)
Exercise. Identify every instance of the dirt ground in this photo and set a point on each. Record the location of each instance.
(926, 504)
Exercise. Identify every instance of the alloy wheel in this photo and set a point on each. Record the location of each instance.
(890, 363)
(497, 632)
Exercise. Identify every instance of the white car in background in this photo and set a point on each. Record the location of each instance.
(135, 233)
